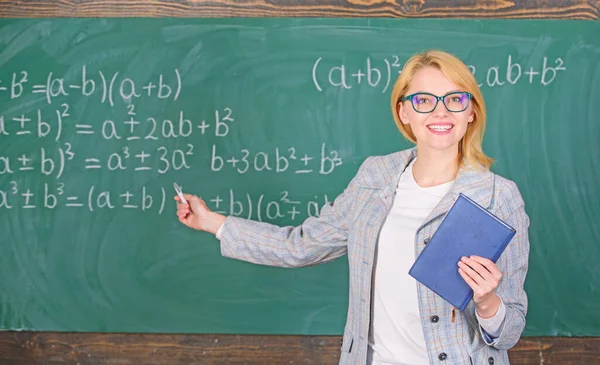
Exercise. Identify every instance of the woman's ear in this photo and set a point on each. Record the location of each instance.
(471, 116)
(402, 113)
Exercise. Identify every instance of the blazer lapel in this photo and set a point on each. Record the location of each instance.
(382, 178)
(389, 171)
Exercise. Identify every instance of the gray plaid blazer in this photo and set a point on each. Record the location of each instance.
(351, 225)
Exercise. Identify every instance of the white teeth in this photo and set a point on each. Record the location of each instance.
(439, 128)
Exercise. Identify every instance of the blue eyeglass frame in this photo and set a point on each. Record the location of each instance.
(437, 100)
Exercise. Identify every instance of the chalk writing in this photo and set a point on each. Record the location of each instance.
(381, 74)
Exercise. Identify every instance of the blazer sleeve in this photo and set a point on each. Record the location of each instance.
(513, 264)
(317, 240)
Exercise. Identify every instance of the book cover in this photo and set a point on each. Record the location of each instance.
(467, 229)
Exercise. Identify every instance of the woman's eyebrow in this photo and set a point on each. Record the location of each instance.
(446, 93)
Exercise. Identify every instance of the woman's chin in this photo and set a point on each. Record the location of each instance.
(447, 146)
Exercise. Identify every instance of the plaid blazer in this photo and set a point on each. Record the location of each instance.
(351, 225)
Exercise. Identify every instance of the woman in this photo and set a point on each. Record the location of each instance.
(384, 218)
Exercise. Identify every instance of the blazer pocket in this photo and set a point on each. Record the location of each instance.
(347, 341)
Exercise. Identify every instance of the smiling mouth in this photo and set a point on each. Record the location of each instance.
(440, 128)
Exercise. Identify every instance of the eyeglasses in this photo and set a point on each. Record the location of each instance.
(426, 103)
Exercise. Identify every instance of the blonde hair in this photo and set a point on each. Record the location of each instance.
(469, 147)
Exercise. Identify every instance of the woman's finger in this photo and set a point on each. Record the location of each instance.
(489, 265)
(197, 205)
(478, 268)
(189, 197)
(468, 279)
(471, 273)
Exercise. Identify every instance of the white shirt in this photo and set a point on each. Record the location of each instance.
(396, 334)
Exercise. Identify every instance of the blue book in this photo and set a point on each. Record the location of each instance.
(467, 229)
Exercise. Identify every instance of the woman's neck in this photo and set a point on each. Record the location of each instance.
(435, 167)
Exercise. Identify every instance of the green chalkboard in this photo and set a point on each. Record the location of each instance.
(267, 119)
